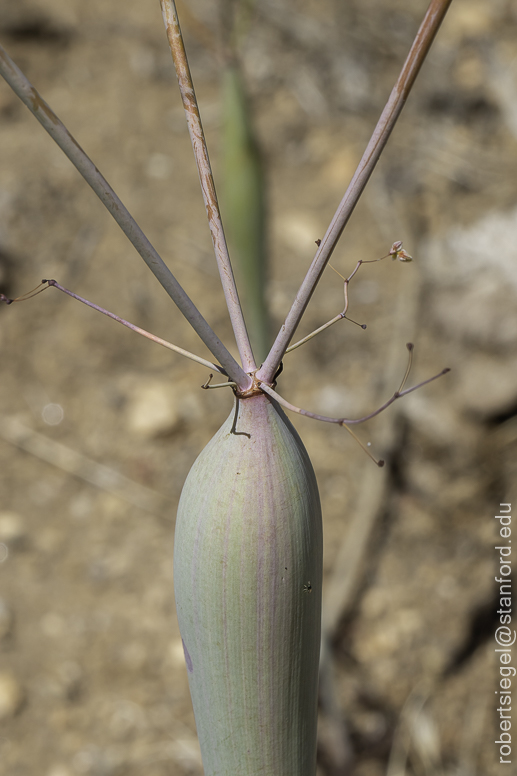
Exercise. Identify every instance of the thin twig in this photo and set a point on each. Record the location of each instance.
(424, 38)
(396, 249)
(137, 329)
(197, 137)
(318, 331)
(26, 296)
(208, 384)
(347, 421)
(339, 421)
(59, 133)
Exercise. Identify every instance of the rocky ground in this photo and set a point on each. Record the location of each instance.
(99, 428)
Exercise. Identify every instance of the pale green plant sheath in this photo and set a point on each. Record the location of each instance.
(247, 579)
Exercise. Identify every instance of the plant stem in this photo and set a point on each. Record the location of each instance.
(316, 331)
(137, 329)
(342, 314)
(347, 421)
(60, 134)
(197, 137)
(418, 52)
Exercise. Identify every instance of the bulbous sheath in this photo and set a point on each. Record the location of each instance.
(247, 577)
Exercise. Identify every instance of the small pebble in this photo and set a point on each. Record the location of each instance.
(13, 532)
(151, 410)
(53, 625)
(59, 770)
(11, 696)
(487, 385)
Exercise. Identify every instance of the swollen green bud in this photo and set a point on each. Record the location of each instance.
(247, 576)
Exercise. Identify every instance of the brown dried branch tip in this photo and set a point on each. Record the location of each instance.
(28, 295)
(396, 252)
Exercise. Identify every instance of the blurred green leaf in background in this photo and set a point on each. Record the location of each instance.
(243, 205)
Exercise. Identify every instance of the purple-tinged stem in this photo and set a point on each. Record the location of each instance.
(208, 384)
(197, 137)
(347, 421)
(314, 333)
(60, 134)
(421, 45)
(137, 329)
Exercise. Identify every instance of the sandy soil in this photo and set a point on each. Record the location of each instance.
(92, 678)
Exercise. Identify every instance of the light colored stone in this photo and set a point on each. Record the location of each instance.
(126, 719)
(471, 18)
(12, 529)
(186, 751)
(159, 166)
(53, 625)
(59, 770)
(472, 283)
(299, 231)
(151, 410)
(341, 167)
(159, 408)
(487, 385)
(11, 695)
(438, 421)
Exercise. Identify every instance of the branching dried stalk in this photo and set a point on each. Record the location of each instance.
(396, 252)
